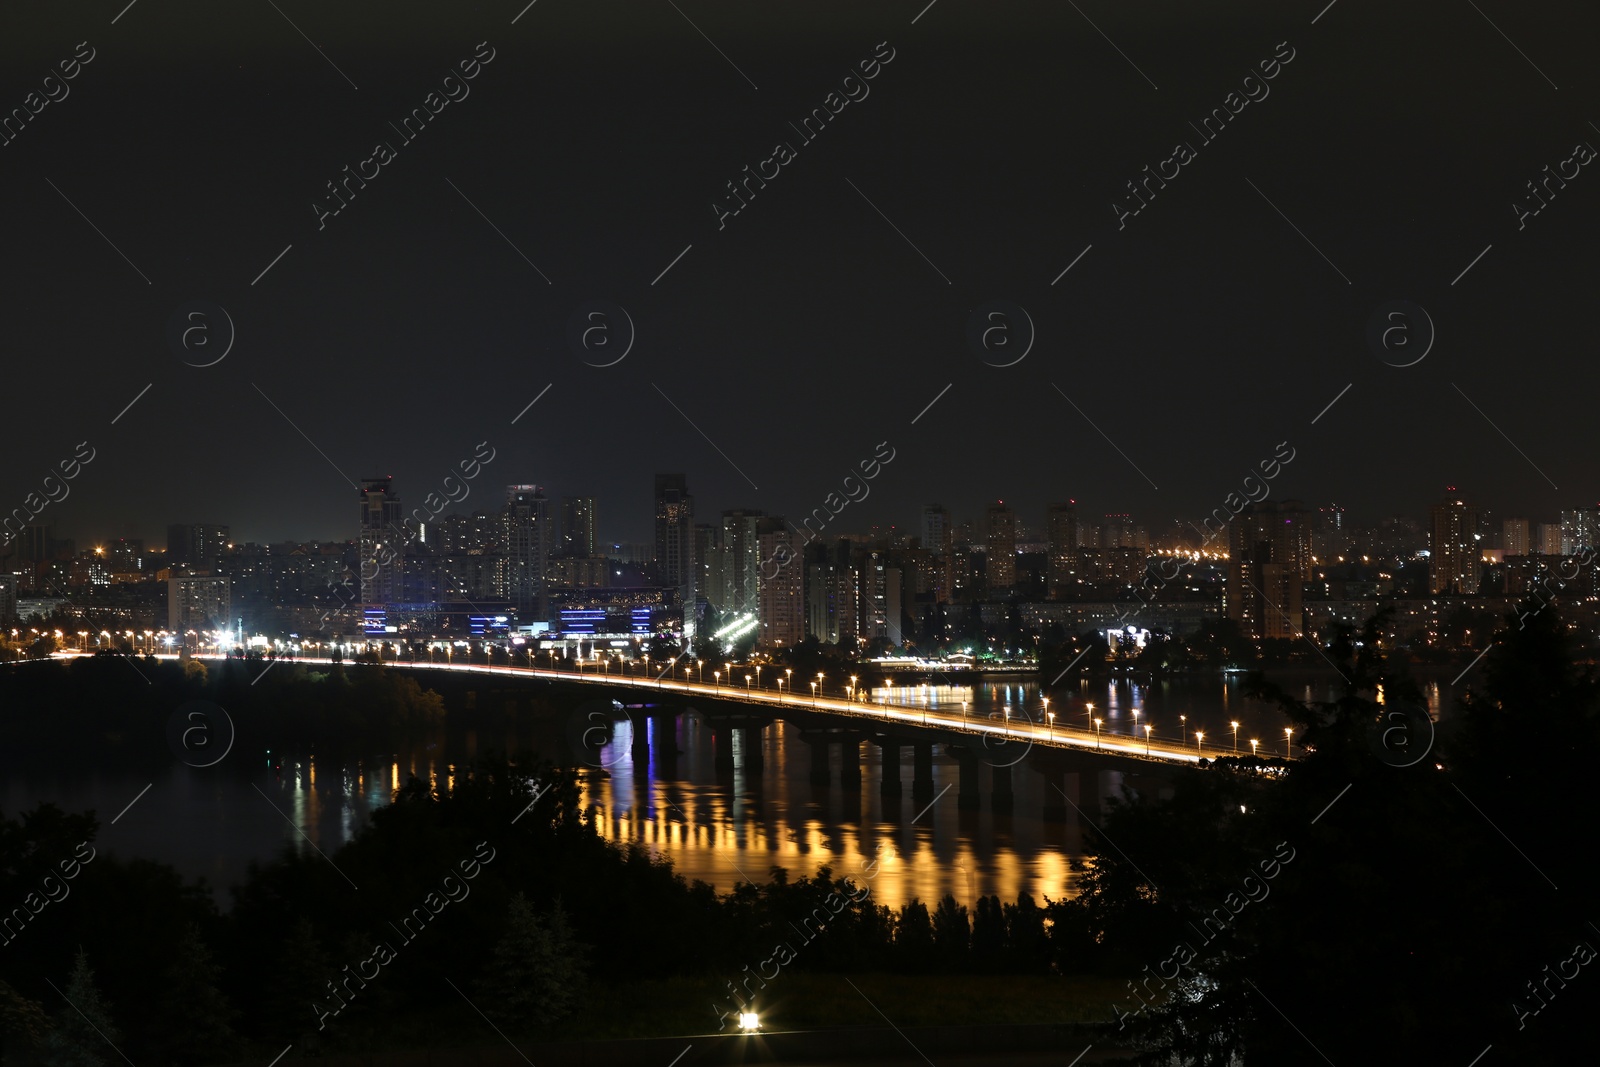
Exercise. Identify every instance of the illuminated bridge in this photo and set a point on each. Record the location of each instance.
(987, 751)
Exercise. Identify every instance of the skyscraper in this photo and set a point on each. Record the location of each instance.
(1269, 556)
(1516, 537)
(198, 603)
(781, 589)
(832, 610)
(937, 538)
(741, 561)
(577, 527)
(383, 544)
(708, 562)
(1062, 533)
(528, 539)
(879, 589)
(1548, 542)
(674, 548)
(1001, 565)
(1120, 531)
(198, 544)
(1456, 558)
(1580, 529)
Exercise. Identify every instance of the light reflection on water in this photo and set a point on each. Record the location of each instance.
(739, 828)
(214, 822)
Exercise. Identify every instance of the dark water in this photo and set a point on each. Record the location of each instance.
(213, 822)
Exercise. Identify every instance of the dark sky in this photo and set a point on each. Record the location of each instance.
(807, 330)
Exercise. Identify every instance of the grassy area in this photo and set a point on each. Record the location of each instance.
(797, 1000)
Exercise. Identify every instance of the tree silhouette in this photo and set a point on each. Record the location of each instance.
(22, 1021)
(536, 969)
(913, 937)
(82, 1033)
(299, 969)
(952, 935)
(193, 1022)
(988, 934)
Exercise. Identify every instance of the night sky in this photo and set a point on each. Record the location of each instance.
(807, 330)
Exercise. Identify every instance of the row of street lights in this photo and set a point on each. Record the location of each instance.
(852, 693)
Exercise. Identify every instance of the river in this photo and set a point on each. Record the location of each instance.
(214, 822)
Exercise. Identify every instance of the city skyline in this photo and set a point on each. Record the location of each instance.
(1034, 521)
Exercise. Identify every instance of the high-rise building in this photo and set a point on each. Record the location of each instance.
(198, 544)
(832, 612)
(674, 545)
(577, 527)
(8, 597)
(1580, 529)
(1001, 565)
(937, 538)
(1120, 531)
(741, 561)
(199, 603)
(1062, 546)
(1330, 534)
(708, 562)
(879, 589)
(528, 539)
(1548, 541)
(125, 555)
(781, 590)
(1455, 560)
(383, 544)
(1516, 537)
(1269, 556)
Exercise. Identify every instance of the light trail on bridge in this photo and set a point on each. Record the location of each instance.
(1065, 738)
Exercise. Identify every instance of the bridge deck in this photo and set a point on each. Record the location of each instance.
(1065, 738)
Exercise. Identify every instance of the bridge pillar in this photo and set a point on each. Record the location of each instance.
(664, 724)
(967, 795)
(819, 760)
(722, 747)
(1002, 797)
(921, 771)
(750, 749)
(891, 768)
(640, 727)
(850, 764)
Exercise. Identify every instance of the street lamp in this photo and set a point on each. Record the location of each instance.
(1052, 717)
(716, 677)
(1199, 737)
(1253, 744)
(1183, 724)
(1097, 723)
(1135, 722)
(700, 670)
(1147, 729)
(1008, 718)
(1288, 732)
(747, 692)
(853, 687)
(1235, 726)
(813, 694)
(1089, 712)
